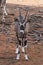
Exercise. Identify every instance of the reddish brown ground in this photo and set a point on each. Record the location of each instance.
(7, 47)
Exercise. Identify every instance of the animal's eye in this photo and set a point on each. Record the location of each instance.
(16, 19)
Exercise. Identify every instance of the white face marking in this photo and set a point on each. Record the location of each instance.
(22, 31)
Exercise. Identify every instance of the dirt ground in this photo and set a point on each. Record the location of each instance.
(8, 37)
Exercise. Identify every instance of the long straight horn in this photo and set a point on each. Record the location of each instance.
(25, 16)
(20, 15)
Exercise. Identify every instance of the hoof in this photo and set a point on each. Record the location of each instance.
(26, 57)
(18, 57)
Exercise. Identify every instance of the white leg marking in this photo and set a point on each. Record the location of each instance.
(23, 50)
(26, 46)
(18, 56)
(26, 57)
(17, 50)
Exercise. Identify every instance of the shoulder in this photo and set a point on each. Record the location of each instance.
(28, 21)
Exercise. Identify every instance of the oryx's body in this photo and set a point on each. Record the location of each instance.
(21, 28)
(3, 6)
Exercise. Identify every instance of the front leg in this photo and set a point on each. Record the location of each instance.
(18, 45)
(26, 56)
(18, 50)
(25, 46)
(18, 56)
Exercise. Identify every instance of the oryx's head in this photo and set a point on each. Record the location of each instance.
(22, 21)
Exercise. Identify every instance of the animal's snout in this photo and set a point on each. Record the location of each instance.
(22, 31)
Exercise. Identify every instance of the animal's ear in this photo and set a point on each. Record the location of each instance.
(15, 19)
(29, 21)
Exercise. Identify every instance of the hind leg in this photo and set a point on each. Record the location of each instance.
(25, 56)
(24, 45)
(23, 49)
(17, 49)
